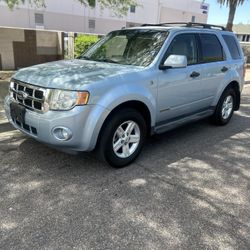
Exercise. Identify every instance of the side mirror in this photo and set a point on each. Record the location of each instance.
(174, 61)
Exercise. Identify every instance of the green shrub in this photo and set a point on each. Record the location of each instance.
(83, 42)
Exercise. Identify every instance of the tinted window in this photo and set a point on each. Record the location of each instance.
(232, 46)
(184, 44)
(211, 48)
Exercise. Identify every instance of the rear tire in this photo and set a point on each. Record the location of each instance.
(225, 108)
(122, 138)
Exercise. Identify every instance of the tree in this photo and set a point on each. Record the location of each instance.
(119, 7)
(232, 4)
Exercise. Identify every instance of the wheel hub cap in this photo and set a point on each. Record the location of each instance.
(227, 107)
(126, 139)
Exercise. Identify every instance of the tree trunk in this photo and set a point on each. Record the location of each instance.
(232, 10)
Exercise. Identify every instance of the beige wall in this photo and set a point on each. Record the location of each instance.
(16, 18)
(174, 15)
(57, 21)
(19, 47)
(7, 36)
(71, 16)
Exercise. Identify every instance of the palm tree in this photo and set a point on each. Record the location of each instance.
(232, 4)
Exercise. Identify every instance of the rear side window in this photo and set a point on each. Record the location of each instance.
(232, 46)
(211, 48)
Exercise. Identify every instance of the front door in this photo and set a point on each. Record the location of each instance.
(180, 89)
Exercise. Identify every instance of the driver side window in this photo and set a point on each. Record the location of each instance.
(185, 45)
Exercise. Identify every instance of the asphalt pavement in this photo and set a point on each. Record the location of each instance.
(189, 189)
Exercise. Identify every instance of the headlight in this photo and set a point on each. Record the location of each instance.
(65, 100)
(11, 87)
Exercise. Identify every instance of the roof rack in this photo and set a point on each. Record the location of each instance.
(188, 24)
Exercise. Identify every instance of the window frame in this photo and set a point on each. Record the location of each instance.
(200, 48)
(197, 48)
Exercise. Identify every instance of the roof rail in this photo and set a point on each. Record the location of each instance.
(188, 24)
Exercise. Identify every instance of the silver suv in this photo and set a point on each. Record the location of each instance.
(132, 83)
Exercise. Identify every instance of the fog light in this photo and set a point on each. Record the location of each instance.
(62, 133)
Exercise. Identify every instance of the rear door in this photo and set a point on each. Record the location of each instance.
(214, 67)
(237, 61)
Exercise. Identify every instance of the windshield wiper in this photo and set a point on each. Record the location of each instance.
(84, 57)
(106, 60)
(98, 60)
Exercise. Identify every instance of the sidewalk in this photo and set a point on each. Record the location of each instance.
(6, 75)
(4, 87)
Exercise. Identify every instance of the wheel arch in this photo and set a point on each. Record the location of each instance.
(133, 104)
(236, 86)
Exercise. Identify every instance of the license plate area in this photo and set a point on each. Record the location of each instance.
(17, 112)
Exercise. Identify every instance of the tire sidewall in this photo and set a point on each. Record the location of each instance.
(109, 131)
(219, 118)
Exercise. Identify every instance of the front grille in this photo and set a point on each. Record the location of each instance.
(28, 95)
(26, 127)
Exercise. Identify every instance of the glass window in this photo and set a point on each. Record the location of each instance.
(232, 46)
(39, 20)
(91, 23)
(131, 47)
(185, 45)
(211, 48)
(132, 8)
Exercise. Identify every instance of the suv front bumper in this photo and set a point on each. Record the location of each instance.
(84, 122)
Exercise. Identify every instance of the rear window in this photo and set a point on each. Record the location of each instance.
(232, 46)
(211, 48)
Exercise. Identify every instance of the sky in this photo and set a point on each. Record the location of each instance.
(218, 15)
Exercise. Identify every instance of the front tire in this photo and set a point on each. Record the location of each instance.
(122, 138)
(225, 107)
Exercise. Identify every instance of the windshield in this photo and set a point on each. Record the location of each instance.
(131, 47)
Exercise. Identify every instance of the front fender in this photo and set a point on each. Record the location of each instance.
(125, 93)
(109, 101)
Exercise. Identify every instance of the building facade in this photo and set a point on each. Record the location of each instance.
(243, 33)
(71, 16)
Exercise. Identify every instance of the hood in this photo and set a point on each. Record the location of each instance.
(72, 74)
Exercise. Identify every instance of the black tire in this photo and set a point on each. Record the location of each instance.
(105, 143)
(217, 117)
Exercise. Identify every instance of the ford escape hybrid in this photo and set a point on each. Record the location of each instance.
(132, 83)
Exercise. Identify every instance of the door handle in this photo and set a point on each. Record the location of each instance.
(194, 74)
(224, 69)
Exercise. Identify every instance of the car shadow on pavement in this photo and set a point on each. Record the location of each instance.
(188, 190)
(6, 127)
(168, 147)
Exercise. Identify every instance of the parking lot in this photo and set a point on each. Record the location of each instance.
(189, 189)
